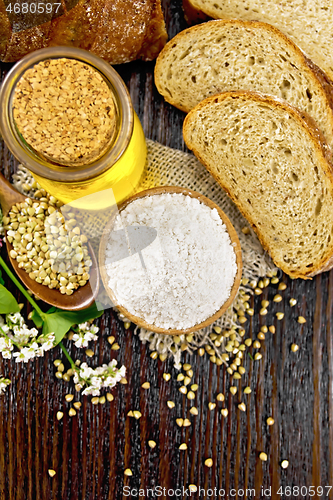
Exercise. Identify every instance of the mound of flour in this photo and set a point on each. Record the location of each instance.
(184, 275)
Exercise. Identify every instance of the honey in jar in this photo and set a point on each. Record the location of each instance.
(67, 116)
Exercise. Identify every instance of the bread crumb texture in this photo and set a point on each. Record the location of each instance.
(266, 158)
(221, 56)
(65, 111)
(190, 267)
(307, 22)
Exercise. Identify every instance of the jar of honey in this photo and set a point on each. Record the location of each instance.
(82, 139)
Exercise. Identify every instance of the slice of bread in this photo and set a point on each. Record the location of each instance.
(308, 24)
(273, 162)
(220, 56)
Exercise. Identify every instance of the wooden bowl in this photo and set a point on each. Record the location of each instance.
(234, 239)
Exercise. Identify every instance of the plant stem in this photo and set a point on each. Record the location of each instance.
(20, 287)
(64, 350)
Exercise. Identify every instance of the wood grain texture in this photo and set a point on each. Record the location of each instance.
(90, 451)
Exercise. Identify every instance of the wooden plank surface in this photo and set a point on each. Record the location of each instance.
(91, 451)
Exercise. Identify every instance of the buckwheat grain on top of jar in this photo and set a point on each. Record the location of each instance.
(65, 111)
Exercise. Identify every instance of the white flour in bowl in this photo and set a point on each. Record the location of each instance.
(186, 272)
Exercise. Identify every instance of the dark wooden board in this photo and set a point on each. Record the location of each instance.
(90, 452)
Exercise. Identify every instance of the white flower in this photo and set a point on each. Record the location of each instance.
(33, 332)
(22, 334)
(100, 370)
(39, 352)
(5, 344)
(101, 377)
(91, 391)
(110, 382)
(23, 355)
(5, 329)
(34, 350)
(47, 342)
(122, 371)
(90, 336)
(6, 354)
(96, 382)
(16, 334)
(83, 326)
(85, 333)
(6, 347)
(4, 383)
(79, 341)
(16, 319)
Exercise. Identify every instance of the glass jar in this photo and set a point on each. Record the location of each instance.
(120, 168)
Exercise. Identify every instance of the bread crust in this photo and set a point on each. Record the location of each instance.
(22, 42)
(318, 142)
(117, 30)
(321, 78)
(77, 27)
(194, 11)
(156, 36)
(5, 31)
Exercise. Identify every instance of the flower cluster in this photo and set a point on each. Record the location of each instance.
(105, 376)
(4, 383)
(84, 333)
(20, 342)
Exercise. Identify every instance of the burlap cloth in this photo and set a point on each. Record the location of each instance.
(166, 166)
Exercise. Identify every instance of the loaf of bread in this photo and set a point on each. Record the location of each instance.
(116, 30)
(307, 23)
(274, 164)
(218, 56)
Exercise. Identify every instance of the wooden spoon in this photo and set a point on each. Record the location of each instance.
(82, 297)
(234, 240)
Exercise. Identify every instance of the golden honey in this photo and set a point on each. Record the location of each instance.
(121, 167)
(123, 177)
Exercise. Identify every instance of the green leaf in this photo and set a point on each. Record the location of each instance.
(59, 324)
(36, 319)
(60, 321)
(8, 303)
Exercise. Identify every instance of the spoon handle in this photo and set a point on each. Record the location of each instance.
(8, 195)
